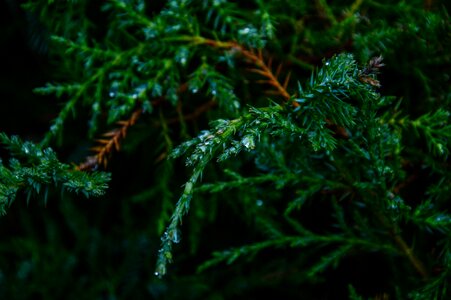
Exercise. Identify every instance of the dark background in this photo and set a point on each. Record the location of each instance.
(24, 66)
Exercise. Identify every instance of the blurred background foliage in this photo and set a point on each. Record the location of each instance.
(72, 69)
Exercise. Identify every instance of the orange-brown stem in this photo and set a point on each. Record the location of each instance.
(408, 252)
(405, 249)
(110, 142)
(262, 68)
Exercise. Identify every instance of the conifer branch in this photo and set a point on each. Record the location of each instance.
(325, 11)
(354, 8)
(215, 142)
(263, 69)
(394, 232)
(35, 169)
(341, 72)
(417, 264)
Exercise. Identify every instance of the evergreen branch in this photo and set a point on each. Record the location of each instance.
(333, 258)
(366, 75)
(254, 58)
(426, 215)
(257, 60)
(416, 263)
(39, 169)
(69, 107)
(72, 46)
(58, 122)
(433, 126)
(214, 143)
(217, 187)
(354, 8)
(224, 15)
(58, 89)
(394, 232)
(229, 256)
(437, 287)
(338, 79)
(218, 86)
(436, 130)
(325, 11)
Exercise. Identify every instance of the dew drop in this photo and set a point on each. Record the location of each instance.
(176, 236)
(327, 63)
(112, 94)
(150, 32)
(164, 237)
(160, 270)
(182, 56)
(248, 142)
(441, 149)
(204, 134)
(244, 30)
(135, 60)
(139, 90)
(259, 202)
(194, 91)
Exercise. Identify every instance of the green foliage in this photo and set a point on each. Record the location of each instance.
(39, 169)
(289, 185)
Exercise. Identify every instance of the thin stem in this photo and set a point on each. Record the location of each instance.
(354, 7)
(106, 146)
(417, 264)
(402, 245)
(255, 58)
(326, 11)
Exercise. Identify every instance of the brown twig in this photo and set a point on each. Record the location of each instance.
(428, 4)
(110, 142)
(265, 71)
(408, 252)
(280, 89)
(401, 243)
(372, 68)
(261, 68)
